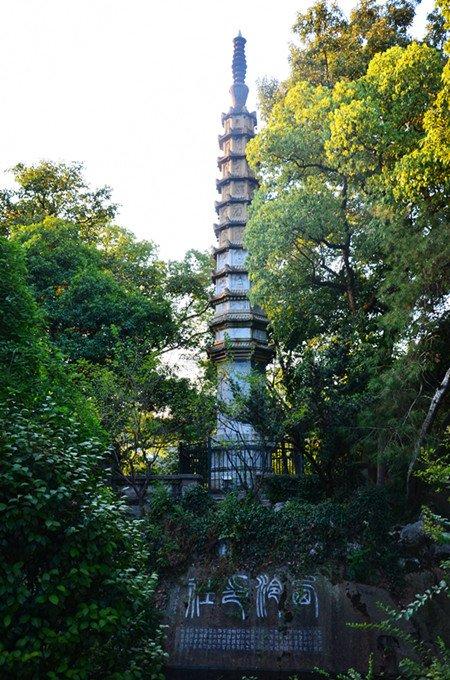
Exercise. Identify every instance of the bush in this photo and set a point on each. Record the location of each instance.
(369, 514)
(249, 526)
(369, 522)
(176, 530)
(315, 533)
(197, 500)
(342, 538)
(76, 593)
(281, 488)
(161, 501)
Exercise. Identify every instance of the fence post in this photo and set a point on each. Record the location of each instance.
(208, 462)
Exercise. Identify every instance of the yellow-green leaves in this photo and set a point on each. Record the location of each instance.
(381, 117)
(348, 238)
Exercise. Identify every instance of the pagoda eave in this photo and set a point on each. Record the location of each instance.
(228, 269)
(228, 225)
(237, 133)
(229, 294)
(232, 200)
(232, 156)
(228, 245)
(238, 319)
(232, 112)
(235, 178)
(233, 350)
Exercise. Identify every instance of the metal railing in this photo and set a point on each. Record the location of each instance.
(238, 465)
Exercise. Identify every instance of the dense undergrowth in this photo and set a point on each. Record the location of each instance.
(351, 537)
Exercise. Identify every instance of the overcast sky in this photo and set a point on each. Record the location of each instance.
(134, 89)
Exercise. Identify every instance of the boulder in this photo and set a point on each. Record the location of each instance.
(273, 623)
(413, 534)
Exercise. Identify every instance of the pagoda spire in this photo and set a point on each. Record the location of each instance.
(239, 90)
(240, 328)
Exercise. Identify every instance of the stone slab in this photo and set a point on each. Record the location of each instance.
(276, 622)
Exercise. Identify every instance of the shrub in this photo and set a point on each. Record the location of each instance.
(249, 526)
(314, 532)
(369, 522)
(197, 500)
(335, 536)
(286, 487)
(174, 530)
(369, 513)
(76, 592)
(161, 501)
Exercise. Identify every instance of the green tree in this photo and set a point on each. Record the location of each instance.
(334, 48)
(348, 254)
(76, 593)
(148, 411)
(95, 281)
(31, 368)
(330, 47)
(20, 324)
(92, 296)
(55, 190)
(111, 306)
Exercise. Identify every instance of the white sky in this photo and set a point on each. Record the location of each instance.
(135, 89)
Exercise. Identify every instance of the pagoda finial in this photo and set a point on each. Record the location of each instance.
(239, 89)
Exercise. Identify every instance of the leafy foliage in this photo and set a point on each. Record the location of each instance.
(329, 47)
(55, 190)
(114, 310)
(19, 325)
(325, 535)
(348, 256)
(424, 660)
(76, 592)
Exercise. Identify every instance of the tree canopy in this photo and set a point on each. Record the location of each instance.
(349, 252)
(76, 590)
(111, 306)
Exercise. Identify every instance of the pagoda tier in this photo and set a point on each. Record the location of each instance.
(240, 329)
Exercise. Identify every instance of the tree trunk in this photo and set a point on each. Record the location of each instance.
(381, 473)
(428, 424)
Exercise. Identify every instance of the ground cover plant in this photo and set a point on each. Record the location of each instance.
(351, 538)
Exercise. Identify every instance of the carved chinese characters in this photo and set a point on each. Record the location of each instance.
(267, 614)
(195, 602)
(238, 591)
(305, 594)
(267, 590)
(248, 640)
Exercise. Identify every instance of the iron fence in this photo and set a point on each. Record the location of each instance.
(227, 466)
(286, 460)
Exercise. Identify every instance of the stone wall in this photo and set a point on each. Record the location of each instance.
(177, 485)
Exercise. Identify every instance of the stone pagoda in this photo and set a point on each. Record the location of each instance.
(240, 329)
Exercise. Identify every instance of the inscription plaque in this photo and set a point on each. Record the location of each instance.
(248, 620)
(308, 640)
